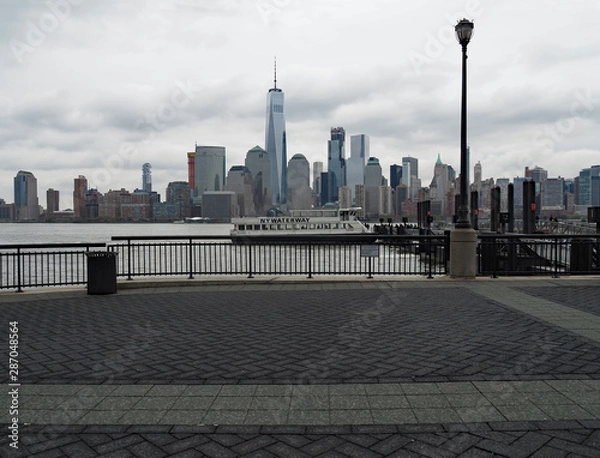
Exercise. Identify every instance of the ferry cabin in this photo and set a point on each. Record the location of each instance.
(302, 222)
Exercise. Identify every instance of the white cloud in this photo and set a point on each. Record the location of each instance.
(82, 99)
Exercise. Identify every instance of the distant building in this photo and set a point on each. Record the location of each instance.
(411, 165)
(26, 199)
(395, 175)
(360, 150)
(219, 206)
(110, 208)
(373, 181)
(258, 163)
(360, 199)
(191, 169)
(336, 161)
(52, 202)
(239, 180)
(345, 195)
(588, 187)
(440, 185)
(503, 183)
(80, 185)
(209, 163)
(122, 204)
(93, 199)
(7, 211)
(177, 205)
(299, 192)
(553, 194)
(276, 144)
(385, 201)
(147, 178)
(316, 172)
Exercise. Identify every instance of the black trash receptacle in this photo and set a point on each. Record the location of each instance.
(101, 272)
(581, 256)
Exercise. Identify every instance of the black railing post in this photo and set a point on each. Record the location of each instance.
(19, 289)
(370, 267)
(429, 256)
(129, 260)
(495, 257)
(191, 260)
(555, 258)
(250, 260)
(309, 249)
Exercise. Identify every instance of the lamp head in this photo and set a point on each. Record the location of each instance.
(464, 31)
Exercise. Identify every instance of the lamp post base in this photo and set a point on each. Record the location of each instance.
(463, 253)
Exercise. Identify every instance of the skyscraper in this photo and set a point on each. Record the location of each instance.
(414, 167)
(52, 199)
(359, 155)
(191, 170)
(26, 198)
(276, 144)
(589, 186)
(373, 181)
(299, 193)
(317, 171)
(210, 170)
(80, 186)
(257, 161)
(147, 177)
(336, 161)
(395, 175)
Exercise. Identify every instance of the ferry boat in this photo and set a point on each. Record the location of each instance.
(300, 224)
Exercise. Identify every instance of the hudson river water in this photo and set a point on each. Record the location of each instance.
(21, 233)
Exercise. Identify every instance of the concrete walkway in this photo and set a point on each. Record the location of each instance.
(297, 367)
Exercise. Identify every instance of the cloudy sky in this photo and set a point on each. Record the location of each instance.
(97, 88)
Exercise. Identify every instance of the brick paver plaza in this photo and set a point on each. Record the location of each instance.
(273, 367)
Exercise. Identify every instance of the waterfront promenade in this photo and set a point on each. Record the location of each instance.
(292, 367)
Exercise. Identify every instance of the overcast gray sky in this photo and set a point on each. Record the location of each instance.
(97, 88)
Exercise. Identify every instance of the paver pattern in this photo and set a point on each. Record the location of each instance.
(586, 298)
(485, 440)
(289, 337)
(363, 369)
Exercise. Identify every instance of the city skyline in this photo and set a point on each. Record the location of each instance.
(149, 79)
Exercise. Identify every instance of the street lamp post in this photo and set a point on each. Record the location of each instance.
(464, 32)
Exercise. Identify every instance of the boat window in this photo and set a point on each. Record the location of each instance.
(241, 227)
(280, 226)
(296, 226)
(257, 227)
(326, 225)
(273, 227)
(264, 227)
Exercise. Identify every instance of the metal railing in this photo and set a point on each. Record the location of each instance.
(539, 254)
(38, 265)
(206, 255)
(44, 264)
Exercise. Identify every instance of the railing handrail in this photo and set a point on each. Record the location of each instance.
(536, 236)
(52, 245)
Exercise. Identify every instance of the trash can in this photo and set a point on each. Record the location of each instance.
(581, 256)
(101, 272)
